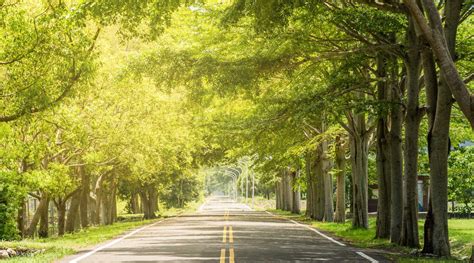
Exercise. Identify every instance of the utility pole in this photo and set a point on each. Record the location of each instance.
(246, 185)
(242, 186)
(253, 186)
(235, 187)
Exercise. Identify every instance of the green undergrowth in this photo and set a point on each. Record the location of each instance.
(53, 248)
(461, 235)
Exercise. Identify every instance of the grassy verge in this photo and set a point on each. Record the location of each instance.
(190, 207)
(57, 247)
(461, 233)
(259, 203)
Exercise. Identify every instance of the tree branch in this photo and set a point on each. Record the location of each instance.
(112, 161)
(68, 86)
(35, 196)
(392, 7)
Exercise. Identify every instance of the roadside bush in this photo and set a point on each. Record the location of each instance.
(10, 196)
(460, 180)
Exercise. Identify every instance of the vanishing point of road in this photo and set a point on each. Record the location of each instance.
(226, 231)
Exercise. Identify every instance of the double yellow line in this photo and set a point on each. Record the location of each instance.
(224, 240)
(231, 236)
(231, 255)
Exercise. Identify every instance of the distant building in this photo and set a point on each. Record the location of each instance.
(422, 191)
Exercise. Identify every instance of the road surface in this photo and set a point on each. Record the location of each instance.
(225, 231)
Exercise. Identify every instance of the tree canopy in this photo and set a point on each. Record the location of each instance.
(139, 100)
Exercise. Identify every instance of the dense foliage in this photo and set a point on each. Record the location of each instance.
(343, 101)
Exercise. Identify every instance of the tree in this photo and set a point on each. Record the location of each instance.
(460, 182)
(40, 50)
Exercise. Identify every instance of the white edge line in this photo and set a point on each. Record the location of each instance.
(248, 207)
(112, 242)
(321, 234)
(314, 230)
(366, 257)
(362, 254)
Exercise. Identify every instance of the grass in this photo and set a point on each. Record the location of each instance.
(58, 247)
(190, 207)
(461, 234)
(259, 203)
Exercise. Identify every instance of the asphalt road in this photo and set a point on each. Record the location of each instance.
(225, 231)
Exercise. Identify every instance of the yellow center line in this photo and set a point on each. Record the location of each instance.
(224, 234)
(231, 236)
(222, 256)
(231, 255)
(224, 239)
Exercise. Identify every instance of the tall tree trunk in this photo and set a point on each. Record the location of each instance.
(113, 202)
(98, 207)
(21, 216)
(340, 216)
(318, 186)
(43, 204)
(105, 211)
(61, 207)
(288, 190)
(309, 186)
(327, 181)
(384, 186)
(383, 153)
(92, 209)
(396, 164)
(277, 195)
(21, 219)
(134, 209)
(43, 230)
(149, 199)
(85, 191)
(145, 206)
(438, 154)
(157, 202)
(431, 88)
(72, 214)
(98, 189)
(409, 233)
(108, 200)
(296, 196)
(436, 225)
(153, 200)
(77, 222)
(359, 145)
(282, 192)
